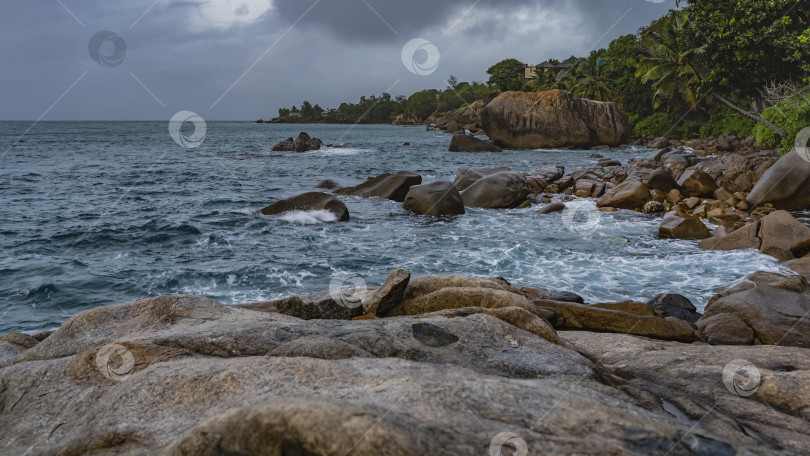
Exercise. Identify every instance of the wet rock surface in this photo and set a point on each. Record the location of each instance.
(192, 376)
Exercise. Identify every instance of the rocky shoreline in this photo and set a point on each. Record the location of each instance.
(454, 364)
(422, 365)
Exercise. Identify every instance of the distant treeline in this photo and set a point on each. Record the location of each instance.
(385, 108)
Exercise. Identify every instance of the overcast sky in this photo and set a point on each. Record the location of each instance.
(243, 59)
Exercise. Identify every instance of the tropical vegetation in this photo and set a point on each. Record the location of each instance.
(709, 68)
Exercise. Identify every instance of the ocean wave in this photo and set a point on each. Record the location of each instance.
(308, 217)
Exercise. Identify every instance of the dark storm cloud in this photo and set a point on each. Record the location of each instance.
(357, 20)
(189, 54)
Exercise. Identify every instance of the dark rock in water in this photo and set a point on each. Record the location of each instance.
(406, 143)
(550, 174)
(551, 119)
(435, 198)
(630, 194)
(453, 127)
(328, 184)
(312, 201)
(653, 207)
(660, 179)
(468, 176)
(566, 296)
(505, 189)
(675, 305)
(695, 182)
(609, 162)
(432, 335)
(277, 120)
(390, 186)
(551, 208)
(765, 308)
(467, 143)
(786, 184)
(302, 144)
(260, 121)
(680, 226)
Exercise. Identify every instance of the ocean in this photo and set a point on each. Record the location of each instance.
(101, 213)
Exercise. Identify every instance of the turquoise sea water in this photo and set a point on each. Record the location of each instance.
(100, 213)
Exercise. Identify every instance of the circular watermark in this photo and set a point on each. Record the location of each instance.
(511, 439)
(176, 129)
(581, 217)
(107, 49)
(348, 290)
(427, 373)
(420, 57)
(741, 377)
(115, 362)
(802, 144)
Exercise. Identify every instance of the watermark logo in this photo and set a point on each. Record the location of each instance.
(420, 57)
(802, 144)
(581, 217)
(176, 129)
(508, 439)
(107, 49)
(741, 377)
(115, 362)
(428, 373)
(348, 290)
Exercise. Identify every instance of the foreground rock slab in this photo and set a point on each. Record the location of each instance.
(765, 308)
(312, 201)
(534, 120)
(202, 378)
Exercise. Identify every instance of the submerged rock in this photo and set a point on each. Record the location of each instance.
(390, 186)
(312, 201)
(435, 198)
(535, 120)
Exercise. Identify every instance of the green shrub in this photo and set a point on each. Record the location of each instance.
(792, 116)
(657, 124)
(723, 120)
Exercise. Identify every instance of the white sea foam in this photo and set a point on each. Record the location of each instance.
(308, 217)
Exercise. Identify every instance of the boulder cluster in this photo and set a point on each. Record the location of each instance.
(419, 365)
(303, 143)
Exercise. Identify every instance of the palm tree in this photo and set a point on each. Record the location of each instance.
(590, 80)
(542, 79)
(670, 64)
